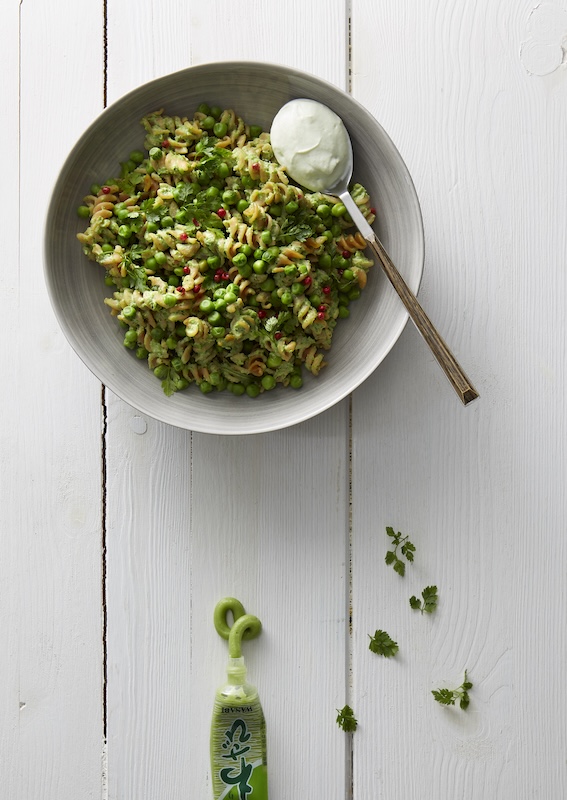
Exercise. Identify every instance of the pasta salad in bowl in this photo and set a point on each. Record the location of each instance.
(242, 301)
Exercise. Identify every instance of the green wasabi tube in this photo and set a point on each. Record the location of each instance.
(238, 729)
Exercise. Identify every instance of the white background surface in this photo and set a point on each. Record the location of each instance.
(119, 534)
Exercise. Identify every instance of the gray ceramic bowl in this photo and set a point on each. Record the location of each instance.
(256, 91)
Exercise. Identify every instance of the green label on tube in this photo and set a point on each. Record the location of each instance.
(238, 751)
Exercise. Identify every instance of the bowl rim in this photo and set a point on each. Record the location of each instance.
(323, 404)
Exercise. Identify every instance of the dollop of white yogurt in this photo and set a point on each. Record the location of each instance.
(311, 142)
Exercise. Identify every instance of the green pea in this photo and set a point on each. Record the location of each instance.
(208, 123)
(179, 271)
(296, 381)
(273, 361)
(271, 254)
(169, 300)
(142, 353)
(258, 253)
(95, 188)
(266, 237)
(215, 111)
(84, 212)
(291, 207)
(206, 387)
(245, 270)
(207, 306)
(276, 300)
(167, 221)
(182, 216)
(231, 288)
(237, 388)
(171, 342)
(242, 205)
(338, 210)
(344, 312)
(152, 227)
(230, 298)
(218, 332)
(160, 258)
(121, 213)
(124, 240)
(268, 285)
(303, 269)
(223, 170)
(348, 275)
(325, 261)
(252, 390)
(336, 230)
(220, 304)
(247, 250)
(161, 371)
(343, 299)
(109, 280)
(204, 109)
(155, 154)
(247, 181)
(202, 177)
(173, 280)
(323, 210)
(157, 334)
(212, 192)
(136, 156)
(354, 294)
(130, 339)
(213, 262)
(220, 292)
(214, 318)
(316, 300)
(268, 382)
(180, 331)
(290, 270)
(107, 248)
(229, 196)
(181, 383)
(287, 298)
(220, 129)
(129, 312)
(151, 263)
(255, 131)
(125, 231)
(276, 210)
(239, 259)
(259, 266)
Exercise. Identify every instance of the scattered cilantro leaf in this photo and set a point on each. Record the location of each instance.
(382, 644)
(448, 697)
(407, 550)
(346, 719)
(429, 602)
(299, 227)
(211, 156)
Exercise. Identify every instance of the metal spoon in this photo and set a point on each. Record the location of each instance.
(444, 357)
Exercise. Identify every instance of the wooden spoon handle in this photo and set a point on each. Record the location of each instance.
(445, 358)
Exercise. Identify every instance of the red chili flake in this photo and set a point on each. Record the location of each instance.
(307, 280)
(322, 307)
(225, 276)
(373, 211)
(320, 315)
(165, 143)
(262, 314)
(217, 277)
(222, 213)
(197, 288)
(105, 190)
(346, 254)
(255, 167)
(183, 237)
(181, 289)
(326, 290)
(196, 222)
(186, 270)
(278, 335)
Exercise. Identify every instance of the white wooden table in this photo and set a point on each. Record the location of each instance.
(119, 534)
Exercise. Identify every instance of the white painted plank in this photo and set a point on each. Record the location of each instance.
(192, 518)
(480, 491)
(51, 666)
